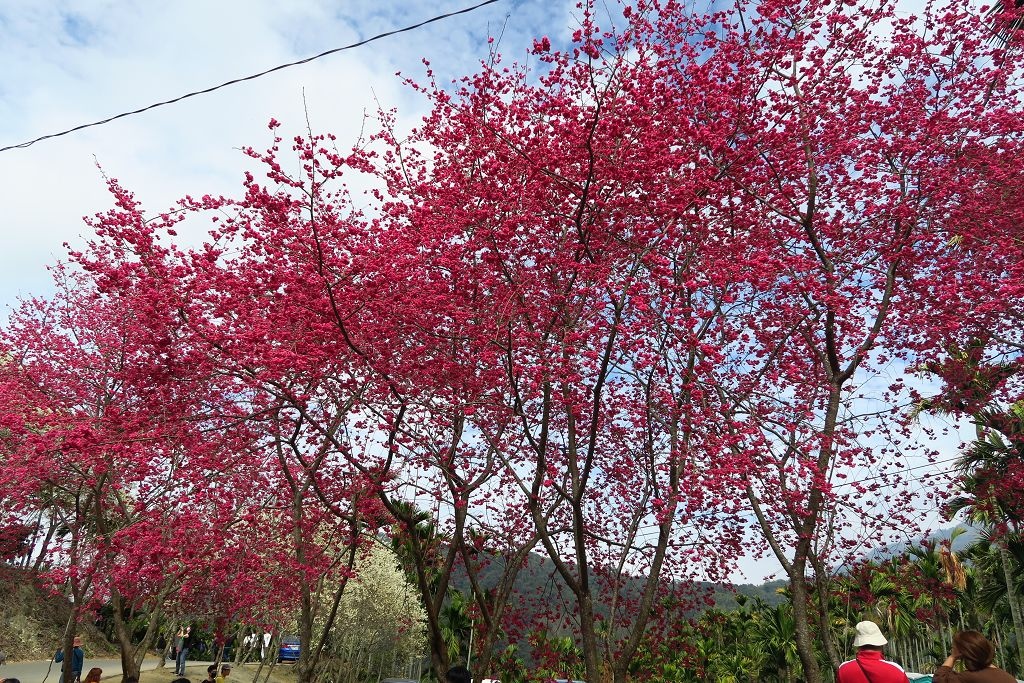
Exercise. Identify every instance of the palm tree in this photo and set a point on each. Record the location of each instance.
(985, 467)
(775, 633)
(994, 578)
(989, 463)
(456, 626)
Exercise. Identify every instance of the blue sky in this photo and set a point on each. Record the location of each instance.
(72, 62)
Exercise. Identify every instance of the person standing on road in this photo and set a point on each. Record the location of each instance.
(186, 641)
(77, 659)
(869, 667)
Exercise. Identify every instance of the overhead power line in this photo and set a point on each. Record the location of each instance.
(904, 470)
(279, 67)
(697, 521)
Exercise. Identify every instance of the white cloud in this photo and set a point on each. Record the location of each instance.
(82, 61)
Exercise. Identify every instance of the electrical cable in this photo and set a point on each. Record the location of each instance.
(904, 470)
(194, 93)
(697, 518)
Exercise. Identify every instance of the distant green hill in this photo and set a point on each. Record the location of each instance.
(540, 581)
(541, 584)
(769, 592)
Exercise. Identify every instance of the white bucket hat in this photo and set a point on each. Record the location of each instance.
(868, 633)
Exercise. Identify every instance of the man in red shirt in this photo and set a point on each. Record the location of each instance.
(869, 667)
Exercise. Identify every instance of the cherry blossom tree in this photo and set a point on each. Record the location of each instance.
(577, 263)
(702, 234)
(618, 304)
(89, 443)
(861, 162)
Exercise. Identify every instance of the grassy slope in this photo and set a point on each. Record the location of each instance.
(32, 621)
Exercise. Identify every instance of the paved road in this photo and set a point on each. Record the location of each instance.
(35, 672)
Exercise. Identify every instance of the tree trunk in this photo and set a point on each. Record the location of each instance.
(169, 641)
(44, 546)
(823, 594)
(129, 667)
(1015, 611)
(588, 636)
(801, 622)
(68, 646)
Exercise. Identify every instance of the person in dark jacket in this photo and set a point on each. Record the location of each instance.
(77, 659)
(186, 642)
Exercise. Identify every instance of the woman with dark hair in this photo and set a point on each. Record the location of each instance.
(976, 653)
(93, 676)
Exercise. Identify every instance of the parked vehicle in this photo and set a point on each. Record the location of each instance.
(289, 651)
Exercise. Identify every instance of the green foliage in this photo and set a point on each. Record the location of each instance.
(919, 598)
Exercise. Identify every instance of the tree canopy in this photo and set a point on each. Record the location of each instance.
(618, 306)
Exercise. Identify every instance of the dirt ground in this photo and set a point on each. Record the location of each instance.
(245, 673)
(32, 623)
